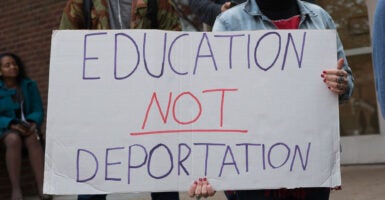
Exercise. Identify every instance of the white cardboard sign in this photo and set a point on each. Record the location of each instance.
(147, 110)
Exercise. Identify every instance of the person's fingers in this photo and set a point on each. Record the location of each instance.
(33, 125)
(330, 78)
(337, 90)
(201, 188)
(338, 71)
(32, 129)
(337, 87)
(334, 72)
(15, 127)
(204, 187)
(335, 79)
(191, 191)
(225, 6)
(337, 84)
(340, 63)
(20, 128)
(210, 190)
(198, 190)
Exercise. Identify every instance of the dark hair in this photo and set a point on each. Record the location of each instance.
(19, 63)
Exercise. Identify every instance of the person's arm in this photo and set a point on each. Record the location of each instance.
(345, 66)
(349, 75)
(6, 106)
(5, 122)
(73, 17)
(339, 79)
(206, 10)
(168, 19)
(379, 53)
(348, 82)
(36, 113)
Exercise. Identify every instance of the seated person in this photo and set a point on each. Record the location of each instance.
(21, 114)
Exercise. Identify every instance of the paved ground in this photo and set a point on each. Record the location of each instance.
(361, 182)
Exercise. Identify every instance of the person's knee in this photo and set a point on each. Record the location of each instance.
(32, 141)
(13, 140)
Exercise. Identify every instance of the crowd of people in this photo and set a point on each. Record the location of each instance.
(21, 109)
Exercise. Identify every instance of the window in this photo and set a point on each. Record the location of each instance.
(359, 115)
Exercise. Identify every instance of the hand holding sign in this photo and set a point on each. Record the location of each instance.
(336, 79)
(201, 188)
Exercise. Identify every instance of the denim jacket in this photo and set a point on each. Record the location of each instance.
(32, 106)
(248, 16)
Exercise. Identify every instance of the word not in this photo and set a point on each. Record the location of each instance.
(164, 114)
(204, 50)
(141, 158)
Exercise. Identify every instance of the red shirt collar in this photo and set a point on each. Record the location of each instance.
(291, 23)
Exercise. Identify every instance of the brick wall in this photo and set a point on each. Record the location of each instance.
(25, 29)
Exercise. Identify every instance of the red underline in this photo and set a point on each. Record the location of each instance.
(190, 131)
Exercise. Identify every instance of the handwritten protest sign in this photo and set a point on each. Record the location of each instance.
(146, 110)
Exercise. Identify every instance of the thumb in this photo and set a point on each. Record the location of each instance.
(340, 63)
(225, 6)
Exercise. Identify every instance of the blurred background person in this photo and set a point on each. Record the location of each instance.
(122, 14)
(21, 115)
(208, 10)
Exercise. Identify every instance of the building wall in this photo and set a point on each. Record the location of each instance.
(25, 29)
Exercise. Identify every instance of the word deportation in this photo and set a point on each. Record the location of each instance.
(202, 49)
(143, 160)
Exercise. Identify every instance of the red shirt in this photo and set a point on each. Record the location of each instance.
(291, 23)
